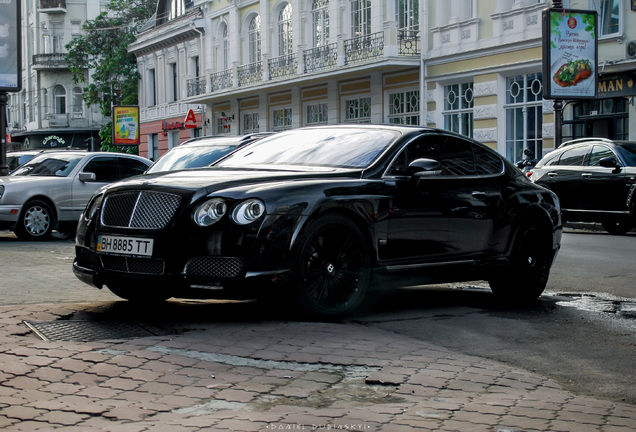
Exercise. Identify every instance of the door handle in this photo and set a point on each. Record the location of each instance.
(586, 175)
(479, 195)
(552, 174)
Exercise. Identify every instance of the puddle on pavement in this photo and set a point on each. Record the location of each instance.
(619, 307)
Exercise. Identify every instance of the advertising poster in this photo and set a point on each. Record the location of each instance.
(126, 125)
(569, 54)
(10, 47)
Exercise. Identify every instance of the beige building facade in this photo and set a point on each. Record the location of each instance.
(471, 66)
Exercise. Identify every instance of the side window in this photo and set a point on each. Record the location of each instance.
(487, 162)
(599, 152)
(105, 169)
(131, 167)
(573, 157)
(455, 155)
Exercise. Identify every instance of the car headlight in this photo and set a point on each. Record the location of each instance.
(93, 206)
(248, 211)
(210, 212)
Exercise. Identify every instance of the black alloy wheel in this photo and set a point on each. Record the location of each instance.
(332, 269)
(527, 275)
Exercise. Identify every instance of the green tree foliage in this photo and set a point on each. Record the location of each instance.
(103, 49)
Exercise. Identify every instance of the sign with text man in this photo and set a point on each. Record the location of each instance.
(570, 54)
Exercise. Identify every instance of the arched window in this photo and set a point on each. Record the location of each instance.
(320, 22)
(225, 47)
(285, 31)
(254, 40)
(59, 93)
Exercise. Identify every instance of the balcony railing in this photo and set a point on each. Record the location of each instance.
(283, 66)
(322, 57)
(55, 60)
(221, 80)
(364, 48)
(196, 86)
(250, 73)
(59, 5)
(408, 42)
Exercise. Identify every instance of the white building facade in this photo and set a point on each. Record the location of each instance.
(470, 66)
(49, 111)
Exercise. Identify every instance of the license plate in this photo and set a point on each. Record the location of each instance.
(125, 245)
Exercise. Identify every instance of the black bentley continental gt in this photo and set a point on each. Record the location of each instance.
(322, 216)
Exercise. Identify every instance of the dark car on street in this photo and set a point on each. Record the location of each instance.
(201, 151)
(321, 216)
(594, 180)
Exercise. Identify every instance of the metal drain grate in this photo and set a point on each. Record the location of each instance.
(88, 331)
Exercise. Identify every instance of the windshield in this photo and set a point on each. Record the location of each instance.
(190, 157)
(342, 148)
(57, 165)
(628, 151)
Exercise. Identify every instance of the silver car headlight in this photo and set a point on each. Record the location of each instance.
(248, 211)
(210, 212)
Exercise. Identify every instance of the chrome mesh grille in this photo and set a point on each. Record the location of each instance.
(211, 266)
(139, 209)
(133, 265)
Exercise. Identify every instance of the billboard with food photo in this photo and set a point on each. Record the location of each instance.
(570, 53)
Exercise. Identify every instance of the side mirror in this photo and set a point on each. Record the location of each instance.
(87, 177)
(609, 162)
(424, 167)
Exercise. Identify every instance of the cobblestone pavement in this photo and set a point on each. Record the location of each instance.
(231, 373)
(271, 375)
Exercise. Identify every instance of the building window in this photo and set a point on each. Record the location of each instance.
(153, 147)
(250, 122)
(285, 46)
(317, 114)
(57, 37)
(458, 108)
(407, 14)
(59, 93)
(174, 94)
(609, 14)
(320, 22)
(152, 88)
(225, 55)
(524, 117)
(360, 18)
(173, 139)
(223, 125)
(404, 107)
(358, 110)
(254, 40)
(282, 119)
(78, 103)
(76, 28)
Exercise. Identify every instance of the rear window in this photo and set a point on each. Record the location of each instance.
(628, 152)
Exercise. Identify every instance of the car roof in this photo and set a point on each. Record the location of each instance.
(596, 141)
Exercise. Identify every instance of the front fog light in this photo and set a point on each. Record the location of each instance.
(248, 211)
(210, 212)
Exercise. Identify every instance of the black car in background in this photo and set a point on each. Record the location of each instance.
(594, 179)
(321, 215)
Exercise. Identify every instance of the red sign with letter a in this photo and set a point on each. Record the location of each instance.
(190, 120)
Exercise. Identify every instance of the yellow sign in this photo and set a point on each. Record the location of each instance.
(126, 125)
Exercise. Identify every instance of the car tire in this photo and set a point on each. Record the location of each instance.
(36, 221)
(135, 293)
(525, 279)
(617, 227)
(331, 269)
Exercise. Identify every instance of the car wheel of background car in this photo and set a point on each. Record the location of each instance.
(527, 275)
(617, 227)
(135, 292)
(36, 221)
(332, 268)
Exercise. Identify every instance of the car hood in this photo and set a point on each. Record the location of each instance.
(27, 180)
(217, 178)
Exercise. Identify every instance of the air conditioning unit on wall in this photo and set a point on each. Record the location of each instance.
(630, 50)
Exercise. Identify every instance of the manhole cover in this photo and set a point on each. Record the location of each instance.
(87, 331)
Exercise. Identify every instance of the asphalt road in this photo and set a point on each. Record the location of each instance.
(582, 331)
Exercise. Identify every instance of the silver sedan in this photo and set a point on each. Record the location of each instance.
(50, 191)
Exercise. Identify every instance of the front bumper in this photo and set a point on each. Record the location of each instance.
(9, 214)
